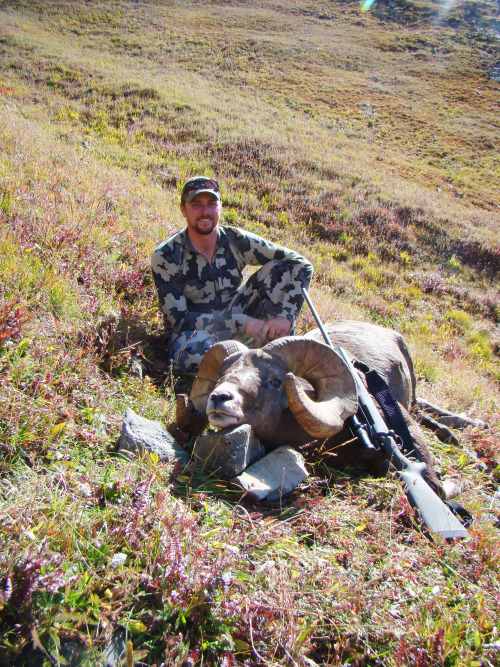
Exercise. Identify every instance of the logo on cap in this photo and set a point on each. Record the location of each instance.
(199, 184)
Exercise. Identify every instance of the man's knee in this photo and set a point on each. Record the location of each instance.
(284, 285)
(187, 350)
(276, 272)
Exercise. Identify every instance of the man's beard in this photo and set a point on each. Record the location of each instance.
(205, 231)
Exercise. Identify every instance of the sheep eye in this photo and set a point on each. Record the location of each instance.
(275, 383)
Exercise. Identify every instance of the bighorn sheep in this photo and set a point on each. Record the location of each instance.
(297, 389)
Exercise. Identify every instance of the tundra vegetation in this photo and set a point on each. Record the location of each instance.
(365, 140)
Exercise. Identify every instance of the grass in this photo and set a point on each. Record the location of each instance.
(367, 142)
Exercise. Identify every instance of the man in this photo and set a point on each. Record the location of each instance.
(199, 280)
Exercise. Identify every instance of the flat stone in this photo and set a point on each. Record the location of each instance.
(275, 475)
(228, 452)
(140, 436)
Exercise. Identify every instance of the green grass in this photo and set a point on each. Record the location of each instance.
(366, 141)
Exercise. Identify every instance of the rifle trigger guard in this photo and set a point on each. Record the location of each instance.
(392, 434)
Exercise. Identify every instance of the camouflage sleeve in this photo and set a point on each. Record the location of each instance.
(225, 324)
(257, 251)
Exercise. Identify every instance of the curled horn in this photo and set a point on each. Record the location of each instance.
(325, 370)
(190, 412)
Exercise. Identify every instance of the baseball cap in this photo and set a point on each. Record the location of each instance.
(199, 184)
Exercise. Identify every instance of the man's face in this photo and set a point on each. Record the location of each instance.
(202, 213)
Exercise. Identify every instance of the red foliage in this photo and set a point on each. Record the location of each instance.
(12, 320)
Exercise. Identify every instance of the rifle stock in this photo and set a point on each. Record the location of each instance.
(436, 517)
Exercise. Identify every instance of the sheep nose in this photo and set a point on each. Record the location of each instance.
(221, 397)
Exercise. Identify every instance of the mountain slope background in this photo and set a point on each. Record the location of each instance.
(366, 140)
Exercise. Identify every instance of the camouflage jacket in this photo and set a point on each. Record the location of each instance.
(195, 294)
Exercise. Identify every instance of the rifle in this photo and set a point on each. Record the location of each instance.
(373, 436)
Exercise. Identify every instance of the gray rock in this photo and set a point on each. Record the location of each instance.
(453, 487)
(228, 452)
(275, 475)
(141, 436)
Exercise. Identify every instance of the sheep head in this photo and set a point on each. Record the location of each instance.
(288, 391)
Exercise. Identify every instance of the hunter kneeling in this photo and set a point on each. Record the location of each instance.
(198, 273)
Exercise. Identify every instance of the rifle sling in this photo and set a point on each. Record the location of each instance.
(378, 387)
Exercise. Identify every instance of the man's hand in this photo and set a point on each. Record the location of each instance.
(275, 328)
(265, 332)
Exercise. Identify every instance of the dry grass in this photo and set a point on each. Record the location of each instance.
(365, 141)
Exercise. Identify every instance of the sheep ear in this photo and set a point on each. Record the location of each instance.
(208, 371)
(187, 417)
(184, 410)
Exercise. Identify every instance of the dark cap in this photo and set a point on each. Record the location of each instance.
(199, 184)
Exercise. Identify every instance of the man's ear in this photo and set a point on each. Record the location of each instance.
(183, 209)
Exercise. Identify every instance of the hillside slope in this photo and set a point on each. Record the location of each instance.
(366, 140)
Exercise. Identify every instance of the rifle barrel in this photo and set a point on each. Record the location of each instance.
(317, 318)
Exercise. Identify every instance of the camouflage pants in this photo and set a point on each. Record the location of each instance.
(273, 291)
